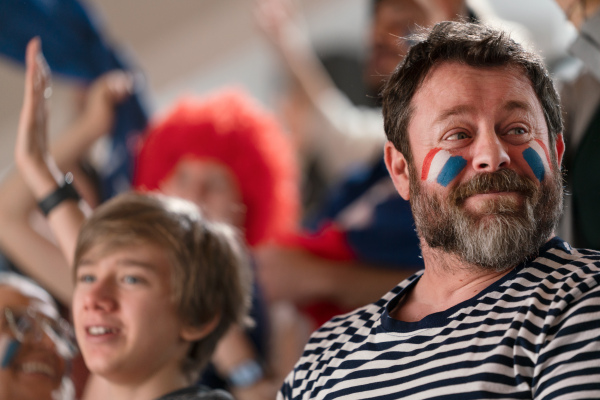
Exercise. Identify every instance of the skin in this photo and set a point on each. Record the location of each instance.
(210, 185)
(44, 366)
(392, 21)
(578, 11)
(488, 116)
(128, 290)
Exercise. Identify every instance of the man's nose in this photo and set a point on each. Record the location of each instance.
(489, 153)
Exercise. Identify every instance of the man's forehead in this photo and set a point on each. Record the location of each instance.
(454, 82)
(450, 67)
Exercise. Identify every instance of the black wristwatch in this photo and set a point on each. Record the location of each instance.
(64, 192)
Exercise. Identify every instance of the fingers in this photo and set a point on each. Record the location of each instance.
(30, 146)
(37, 82)
(37, 77)
(114, 86)
(119, 84)
(273, 15)
(32, 124)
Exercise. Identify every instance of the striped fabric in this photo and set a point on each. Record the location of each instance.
(534, 334)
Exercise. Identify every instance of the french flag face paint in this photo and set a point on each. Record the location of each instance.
(537, 157)
(442, 167)
(8, 350)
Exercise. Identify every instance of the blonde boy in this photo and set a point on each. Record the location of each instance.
(156, 286)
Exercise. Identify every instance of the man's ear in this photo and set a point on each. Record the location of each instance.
(560, 149)
(193, 333)
(398, 168)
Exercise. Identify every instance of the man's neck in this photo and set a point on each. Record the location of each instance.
(446, 282)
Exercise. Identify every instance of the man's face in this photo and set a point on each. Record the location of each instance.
(126, 324)
(36, 370)
(393, 20)
(482, 184)
(208, 184)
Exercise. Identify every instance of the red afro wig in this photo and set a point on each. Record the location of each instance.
(228, 127)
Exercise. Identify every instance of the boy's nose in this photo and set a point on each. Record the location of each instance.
(101, 296)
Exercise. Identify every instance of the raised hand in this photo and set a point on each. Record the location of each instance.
(102, 97)
(283, 25)
(31, 144)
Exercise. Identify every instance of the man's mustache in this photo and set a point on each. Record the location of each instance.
(504, 180)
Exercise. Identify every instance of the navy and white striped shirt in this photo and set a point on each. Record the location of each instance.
(533, 334)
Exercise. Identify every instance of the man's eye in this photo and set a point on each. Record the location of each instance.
(517, 131)
(458, 136)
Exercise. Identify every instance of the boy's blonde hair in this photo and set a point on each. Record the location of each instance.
(210, 275)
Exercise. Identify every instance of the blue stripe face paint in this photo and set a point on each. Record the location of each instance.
(535, 163)
(451, 169)
(10, 347)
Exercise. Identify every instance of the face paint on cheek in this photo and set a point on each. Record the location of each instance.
(442, 167)
(537, 157)
(8, 350)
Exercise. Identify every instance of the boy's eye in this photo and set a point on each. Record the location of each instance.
(132, 280)
(86, 278)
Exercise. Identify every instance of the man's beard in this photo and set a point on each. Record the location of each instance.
(502, 232)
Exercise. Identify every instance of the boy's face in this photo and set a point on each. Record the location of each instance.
(125, 321)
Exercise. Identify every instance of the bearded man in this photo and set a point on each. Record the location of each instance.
(503, 308)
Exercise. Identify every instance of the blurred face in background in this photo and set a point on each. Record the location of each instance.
(35, 370)
(393, 20)
(210, 185)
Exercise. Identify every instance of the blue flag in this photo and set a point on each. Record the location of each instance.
(74, 47)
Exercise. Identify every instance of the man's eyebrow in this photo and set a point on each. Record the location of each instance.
(517, 105)
(451, 112)
(464, 109)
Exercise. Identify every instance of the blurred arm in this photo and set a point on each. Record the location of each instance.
(39, 174)
(300, 277)
(355, 132)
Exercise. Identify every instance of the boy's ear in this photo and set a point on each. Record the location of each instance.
(397, 166)
(193, 333)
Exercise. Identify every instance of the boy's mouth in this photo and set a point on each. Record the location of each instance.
(98, 330)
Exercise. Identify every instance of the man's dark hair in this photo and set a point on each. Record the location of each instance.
(470, 44)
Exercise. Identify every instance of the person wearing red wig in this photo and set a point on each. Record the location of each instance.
(230, 157)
